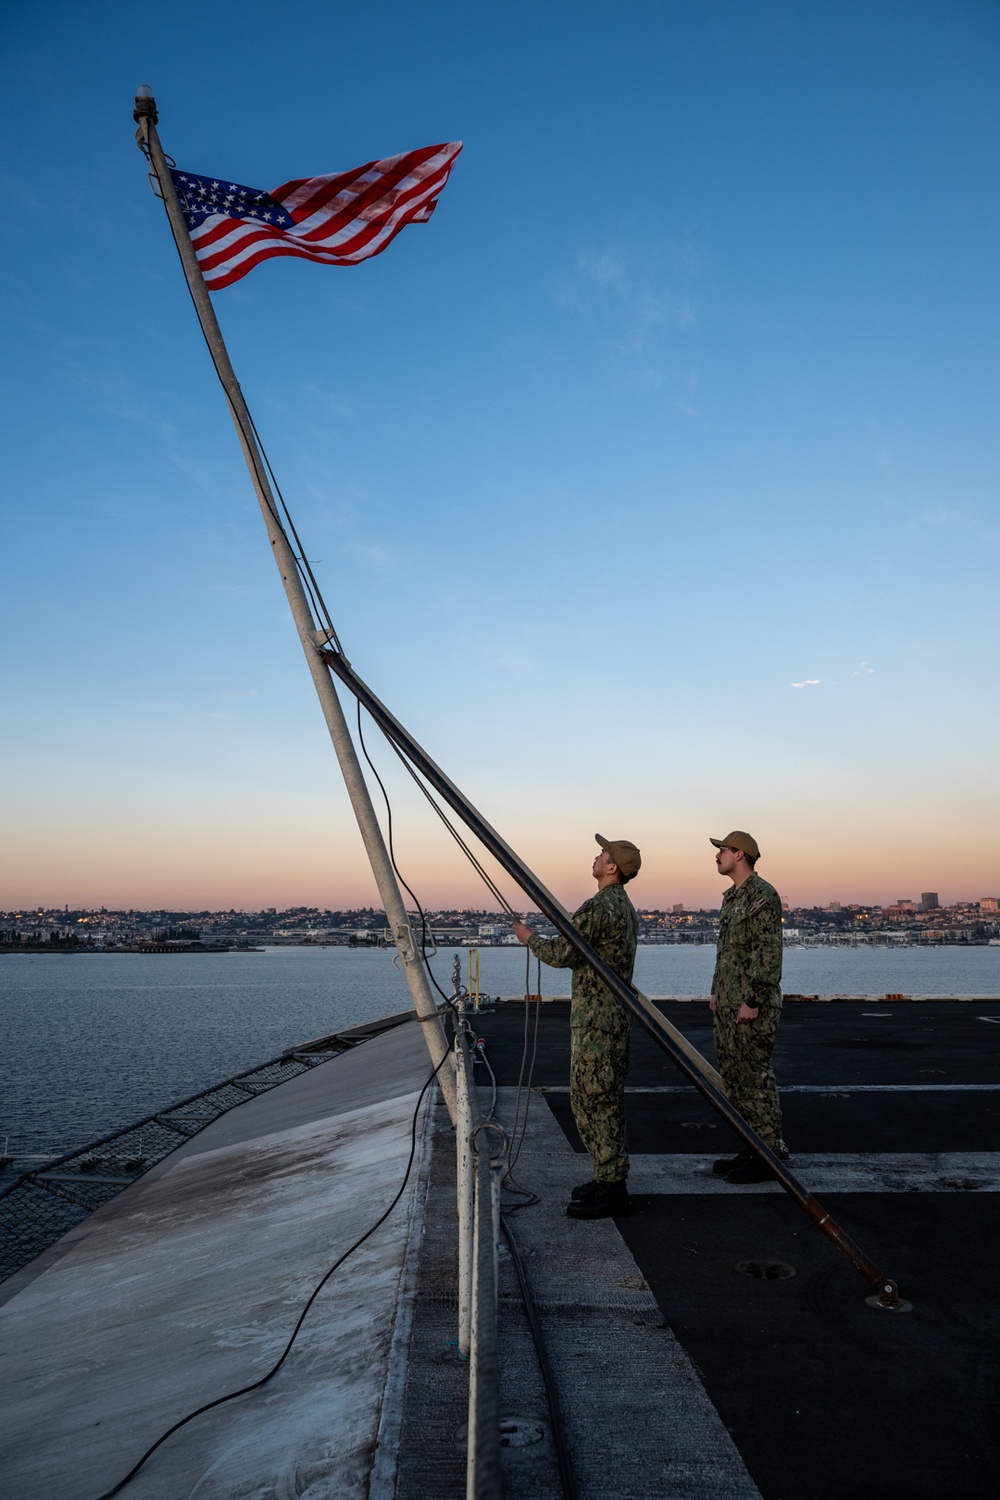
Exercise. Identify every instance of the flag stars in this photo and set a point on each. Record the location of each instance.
(214, 213)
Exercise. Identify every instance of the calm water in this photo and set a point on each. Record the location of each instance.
(95, 1041)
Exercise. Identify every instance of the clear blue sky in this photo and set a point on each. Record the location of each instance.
(653, 483)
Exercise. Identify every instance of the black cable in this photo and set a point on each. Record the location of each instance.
(516, 1148)
(392, 859)
(256, 1384)
(312, 586)
(481, 1049)
(515, 1145)
(524, 1049)
(567, 1479)
(303, 567)
(458, 1020)
(448, 999)
(322, 614)
(317, 602)
(509, 1182)
(459, 840)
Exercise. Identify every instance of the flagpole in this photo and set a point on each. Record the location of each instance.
(313, 639)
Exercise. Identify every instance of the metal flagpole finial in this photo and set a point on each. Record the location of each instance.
(145, 105)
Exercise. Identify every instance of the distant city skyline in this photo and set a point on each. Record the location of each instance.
(186, 931)
(652, 483)
(901, 907)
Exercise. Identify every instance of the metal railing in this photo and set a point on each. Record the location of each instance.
(43, 1203)
(478, 1174)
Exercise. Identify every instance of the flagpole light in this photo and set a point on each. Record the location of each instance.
(145, 104)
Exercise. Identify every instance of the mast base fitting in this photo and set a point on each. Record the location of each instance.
(888, 1299)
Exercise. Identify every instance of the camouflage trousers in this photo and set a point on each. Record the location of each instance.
(597, 1070)
(744, 1051)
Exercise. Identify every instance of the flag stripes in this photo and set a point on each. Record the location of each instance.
(337, 220)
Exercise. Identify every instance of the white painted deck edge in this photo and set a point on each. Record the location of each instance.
(382, 1484)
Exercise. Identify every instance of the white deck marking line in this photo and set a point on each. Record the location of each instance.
(815, 1088)
(863, 1172)
(792, 995)
(385, 1461)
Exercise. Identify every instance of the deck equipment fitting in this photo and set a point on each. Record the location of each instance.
(765, 1270)
(888, 1299)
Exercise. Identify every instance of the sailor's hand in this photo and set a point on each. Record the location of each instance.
(711, 1004)
(522, 932)
(748, 1012)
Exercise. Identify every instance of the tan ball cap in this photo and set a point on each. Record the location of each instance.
(738, 840)
(625, 855)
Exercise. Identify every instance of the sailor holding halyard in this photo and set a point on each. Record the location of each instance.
(599, 1027)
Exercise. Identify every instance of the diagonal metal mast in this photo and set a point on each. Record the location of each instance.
(310, 635)
(687, 1059)
(323, 660)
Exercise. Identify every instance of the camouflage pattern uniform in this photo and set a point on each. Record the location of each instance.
(599, 1026)
(748, 972)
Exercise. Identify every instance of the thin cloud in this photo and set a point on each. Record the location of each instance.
(604, 268)
(954, 518)
(520, 665)
(809, 682)
(644, 308)
(372, 554)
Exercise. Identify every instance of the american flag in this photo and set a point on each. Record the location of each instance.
(338, 220)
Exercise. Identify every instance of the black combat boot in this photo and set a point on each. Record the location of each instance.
(584, 1190)
(753, 1170)
(609, 1199)
(728, 1163)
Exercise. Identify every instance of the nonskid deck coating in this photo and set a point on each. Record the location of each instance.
(823, 1396)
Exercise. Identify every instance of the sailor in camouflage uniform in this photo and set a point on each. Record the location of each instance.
(746, 1000)
(599, 1027)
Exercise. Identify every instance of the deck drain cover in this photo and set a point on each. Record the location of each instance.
(515, 1432)
(520, 1432)
(765, 1270)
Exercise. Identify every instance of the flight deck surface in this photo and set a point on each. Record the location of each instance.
(892, 1114)
(678, 1375)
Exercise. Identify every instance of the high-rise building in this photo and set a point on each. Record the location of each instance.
(929, 900)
